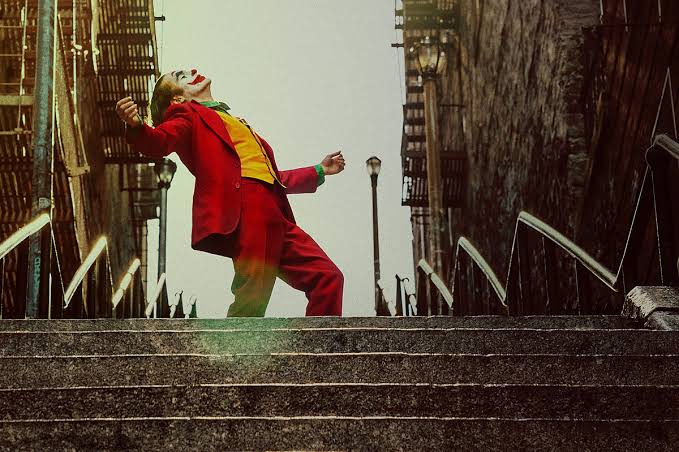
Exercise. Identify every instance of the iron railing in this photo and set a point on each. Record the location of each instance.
(382, 304)
(92, 300)
(433, 297)
(152, 302)
(128, 299)
(476, 289)
(13, 291)
(89, 293)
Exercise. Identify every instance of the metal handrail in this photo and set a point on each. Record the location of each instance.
(23, 233)
(464, 244)
(193, 312)
(100, 246)
(125, 283)
(437, 281)
(151, 302)
(614, 281)
(383, 301)
(178, 298)
(600, 271)
(667, 144)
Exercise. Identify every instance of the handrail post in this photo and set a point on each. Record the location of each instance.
(512, 298)
(551, 280)
(422, 293)
(88, 289)
(41, 151)
(524, 280)
(57, 289)
(667, 252)
(19, 307)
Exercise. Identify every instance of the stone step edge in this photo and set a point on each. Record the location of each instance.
(343, 384)
(338, 354)
(359, 329)
(331, 418)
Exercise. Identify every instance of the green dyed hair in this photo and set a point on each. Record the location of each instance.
(163, 93)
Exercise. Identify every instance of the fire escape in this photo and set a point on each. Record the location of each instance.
(419, 18)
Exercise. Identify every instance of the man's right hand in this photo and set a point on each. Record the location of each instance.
(127, 111)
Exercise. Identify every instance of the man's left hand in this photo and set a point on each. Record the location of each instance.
(333, 163)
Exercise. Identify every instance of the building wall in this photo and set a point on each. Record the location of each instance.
(555, 103)
(522, 84)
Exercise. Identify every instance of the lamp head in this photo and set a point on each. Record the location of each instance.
(165, 170)
(430, 57)
(373, 165)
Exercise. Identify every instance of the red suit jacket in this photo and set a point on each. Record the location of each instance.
(198, 135)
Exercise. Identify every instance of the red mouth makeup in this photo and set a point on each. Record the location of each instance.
(198, 79)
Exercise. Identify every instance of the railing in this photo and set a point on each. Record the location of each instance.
(91, 300)
(433, 297)
(478, 279)
(88, 295)
(476, 289)
(383, 304)
(13, 299)
(178, 308)
(157, 293)
(128, 300)
(403, 298)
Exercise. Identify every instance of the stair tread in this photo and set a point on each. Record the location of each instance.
(578, 322)
(467, 400)
(326, 367)
(342, 432)
(338, 340)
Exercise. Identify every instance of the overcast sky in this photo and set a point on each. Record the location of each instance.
(311, 77)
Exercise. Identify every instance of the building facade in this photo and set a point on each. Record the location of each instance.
(104, 50)
(546, 107)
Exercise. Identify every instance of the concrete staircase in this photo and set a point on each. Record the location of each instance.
(440, 383)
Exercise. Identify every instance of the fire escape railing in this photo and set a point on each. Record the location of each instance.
(477, 291)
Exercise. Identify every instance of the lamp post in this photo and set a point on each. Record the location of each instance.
(431, 62)
(373, 165)
(165, 170)
(39, 252)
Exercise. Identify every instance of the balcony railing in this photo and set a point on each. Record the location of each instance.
(453, 178)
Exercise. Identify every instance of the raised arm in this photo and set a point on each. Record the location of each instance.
(173, 134)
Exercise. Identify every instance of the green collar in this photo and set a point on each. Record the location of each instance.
(216, 105)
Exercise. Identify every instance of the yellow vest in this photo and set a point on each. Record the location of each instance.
(253, 159)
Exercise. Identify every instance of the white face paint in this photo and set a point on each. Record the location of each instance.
(191, 82)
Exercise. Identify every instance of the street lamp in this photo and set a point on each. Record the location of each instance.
(431, 62)
(164, 170)
(373, 165)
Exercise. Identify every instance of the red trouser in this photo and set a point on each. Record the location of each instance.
(270, 246)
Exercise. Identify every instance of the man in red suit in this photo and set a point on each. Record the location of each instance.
(240, 204)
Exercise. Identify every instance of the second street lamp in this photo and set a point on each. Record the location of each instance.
(373, 165)
(431, 62)
(165, 170)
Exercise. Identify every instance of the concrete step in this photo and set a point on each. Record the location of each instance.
(537, 322)
(339, 340)
(34, 372)
(367, 400)
(340, 433)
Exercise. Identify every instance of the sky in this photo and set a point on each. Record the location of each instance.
(311, 77)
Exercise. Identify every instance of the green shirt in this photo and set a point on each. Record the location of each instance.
(221, 106)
